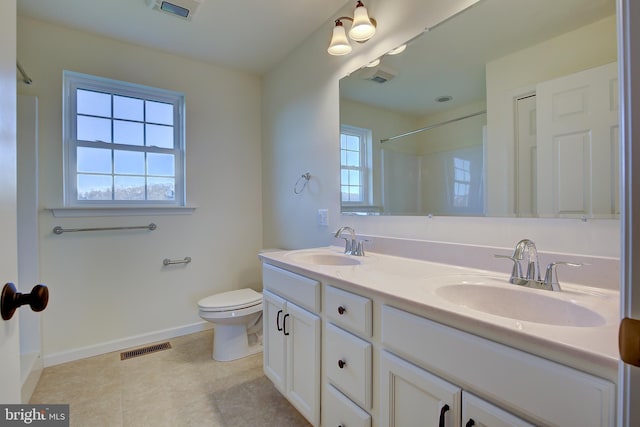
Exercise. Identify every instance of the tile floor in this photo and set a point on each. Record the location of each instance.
(181, 386)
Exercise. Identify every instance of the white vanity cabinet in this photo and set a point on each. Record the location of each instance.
(291, 353)
(539, 390)
(411, 396)
(385, 366)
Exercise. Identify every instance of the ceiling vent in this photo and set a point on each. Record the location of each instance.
(185, 9)
(378, 74)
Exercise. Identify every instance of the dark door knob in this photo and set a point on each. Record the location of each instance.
(11, 299)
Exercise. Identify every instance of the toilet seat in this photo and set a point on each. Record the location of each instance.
(231, 300)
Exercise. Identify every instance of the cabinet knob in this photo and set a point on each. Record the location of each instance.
(470, 423)
(341, 364)
(341, 310)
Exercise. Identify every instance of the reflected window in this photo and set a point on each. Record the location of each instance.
(355, 165)
(461, 182)
(123, 143)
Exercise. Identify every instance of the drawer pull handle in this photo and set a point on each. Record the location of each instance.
(284, 324)
(443, 410)
(278, 320)
(470, 423)
(341, 310)
(341, 364)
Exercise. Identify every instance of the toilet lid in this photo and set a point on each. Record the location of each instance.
(231, 300)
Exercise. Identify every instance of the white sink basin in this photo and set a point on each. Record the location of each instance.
(535, 306)
(319, 258)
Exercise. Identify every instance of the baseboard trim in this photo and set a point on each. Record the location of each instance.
(117, 345)
(31, 368)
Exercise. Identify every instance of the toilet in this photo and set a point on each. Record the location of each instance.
(237, 322)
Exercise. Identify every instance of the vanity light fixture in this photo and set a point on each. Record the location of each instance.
(362, 29)
(373, 63)
(397, 50)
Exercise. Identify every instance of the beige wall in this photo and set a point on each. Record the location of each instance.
(300, 133)
(110, 287)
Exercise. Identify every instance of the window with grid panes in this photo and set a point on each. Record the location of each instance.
(123, 143)
(354, 165)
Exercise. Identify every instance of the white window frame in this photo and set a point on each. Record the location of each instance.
(366, 141)
(73, 81)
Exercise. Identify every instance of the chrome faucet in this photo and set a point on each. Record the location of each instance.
(532, 278)
(350, 244)
(533, 266)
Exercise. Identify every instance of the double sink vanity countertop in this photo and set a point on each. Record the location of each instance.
(577, 326)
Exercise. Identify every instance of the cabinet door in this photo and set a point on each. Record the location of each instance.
(477, 412)
(302, 331)
(273, 353)
(411, 396)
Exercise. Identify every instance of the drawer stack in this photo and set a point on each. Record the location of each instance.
(347, 358)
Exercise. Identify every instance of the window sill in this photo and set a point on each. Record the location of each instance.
(69, 212)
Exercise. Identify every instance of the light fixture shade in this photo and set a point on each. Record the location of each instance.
(362, 28)
(373, 63)
(339, 43)
(398, 50)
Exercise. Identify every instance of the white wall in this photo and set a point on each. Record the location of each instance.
(107, 287)
(300, 125)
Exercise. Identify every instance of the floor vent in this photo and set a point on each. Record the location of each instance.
(144, 350)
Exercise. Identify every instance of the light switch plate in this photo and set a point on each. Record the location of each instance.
(323, 217)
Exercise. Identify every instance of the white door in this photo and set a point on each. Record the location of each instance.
(629, 38)
(578, 144)
(413, 397)
(9, 334)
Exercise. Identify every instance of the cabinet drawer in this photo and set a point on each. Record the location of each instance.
(544, 391)
(348, 364)
(338, 410)
(348, 310)
(294, 287)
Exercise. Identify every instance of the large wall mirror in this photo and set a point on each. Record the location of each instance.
(509, 108)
